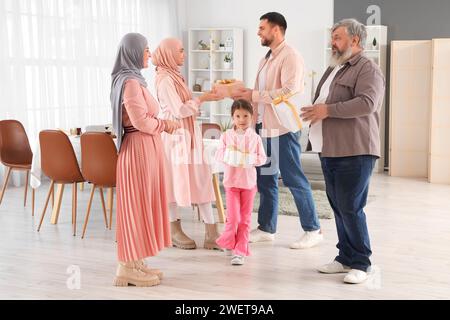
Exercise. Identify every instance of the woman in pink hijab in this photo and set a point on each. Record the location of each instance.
(189, 177)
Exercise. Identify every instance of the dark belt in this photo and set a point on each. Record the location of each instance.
(130, 129)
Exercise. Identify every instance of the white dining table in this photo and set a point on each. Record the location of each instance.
(210, 148)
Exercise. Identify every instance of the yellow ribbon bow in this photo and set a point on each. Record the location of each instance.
(242, 159)
(285, 99)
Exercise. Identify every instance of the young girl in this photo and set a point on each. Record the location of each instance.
(240, 150)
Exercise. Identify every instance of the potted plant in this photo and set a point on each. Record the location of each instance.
(224, 126)
(202, 45)
(227, 61)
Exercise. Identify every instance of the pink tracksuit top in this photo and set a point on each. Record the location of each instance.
(249, 143)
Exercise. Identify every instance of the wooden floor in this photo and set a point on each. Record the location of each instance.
(409, 223)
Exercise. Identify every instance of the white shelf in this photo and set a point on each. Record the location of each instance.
(212, 29)
(218, 110)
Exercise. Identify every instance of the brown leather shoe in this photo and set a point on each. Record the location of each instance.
(179, 238)
(211, 235)
(127, 274)
(143, 267)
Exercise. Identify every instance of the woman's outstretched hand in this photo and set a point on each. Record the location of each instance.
(210, 96)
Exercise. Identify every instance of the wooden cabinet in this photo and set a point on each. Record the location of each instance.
(420, 110)
(439, 154)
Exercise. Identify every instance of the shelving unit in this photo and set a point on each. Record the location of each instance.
(207, 66)
(378, 54)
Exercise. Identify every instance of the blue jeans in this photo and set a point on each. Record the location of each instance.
(347, 184)
(283, 155)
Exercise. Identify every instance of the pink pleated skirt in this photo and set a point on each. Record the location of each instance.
(143, 227)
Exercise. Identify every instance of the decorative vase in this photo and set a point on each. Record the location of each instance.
(374, 44)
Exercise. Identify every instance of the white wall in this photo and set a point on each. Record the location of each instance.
(306, 22)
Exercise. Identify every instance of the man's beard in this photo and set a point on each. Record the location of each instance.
(266, 42)
(339, 58)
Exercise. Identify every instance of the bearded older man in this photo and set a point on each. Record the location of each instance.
(345, 131)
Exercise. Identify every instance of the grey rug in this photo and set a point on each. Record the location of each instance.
(286, 204)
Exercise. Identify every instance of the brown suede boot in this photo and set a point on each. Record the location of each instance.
(211, 235)
(127, 274)
(143, 267)
(179, 238)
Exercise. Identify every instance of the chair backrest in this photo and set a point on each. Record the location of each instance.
(98, 158)
(58, 160)
(211, 131)
(14, 145)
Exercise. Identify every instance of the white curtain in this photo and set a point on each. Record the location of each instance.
(56, 56)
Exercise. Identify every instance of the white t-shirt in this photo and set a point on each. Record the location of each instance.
(262, 87)
(315, 131)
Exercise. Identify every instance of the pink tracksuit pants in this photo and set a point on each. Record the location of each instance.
(239, 216)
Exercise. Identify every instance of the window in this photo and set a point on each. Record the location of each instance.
(56, 56)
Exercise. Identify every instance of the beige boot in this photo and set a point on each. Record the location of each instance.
(143, 267)
(211, 235)
(127, 274)
(179, 238)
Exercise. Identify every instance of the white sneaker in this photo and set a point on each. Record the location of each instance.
(355, 276)
(258, 235)
(333, 267)
(237, 260)
(308, 240)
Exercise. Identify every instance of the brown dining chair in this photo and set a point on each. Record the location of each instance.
(15, 154)
(211, 131)
(98, 165)
(59, 163)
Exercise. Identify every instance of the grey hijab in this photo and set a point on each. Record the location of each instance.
(128, 65)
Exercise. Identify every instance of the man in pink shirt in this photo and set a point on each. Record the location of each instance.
(280, 73)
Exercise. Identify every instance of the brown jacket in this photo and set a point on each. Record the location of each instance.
(354, 104)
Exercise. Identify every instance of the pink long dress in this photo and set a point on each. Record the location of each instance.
(189, 176)
(143, 227)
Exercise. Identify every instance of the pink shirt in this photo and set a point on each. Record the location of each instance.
(249, 141)
(284, 75)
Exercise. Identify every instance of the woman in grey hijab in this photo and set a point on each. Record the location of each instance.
(143, 227)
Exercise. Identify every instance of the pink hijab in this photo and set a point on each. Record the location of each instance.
(163, 59)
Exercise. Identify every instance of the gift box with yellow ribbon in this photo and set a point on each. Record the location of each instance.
(235, 157)
(227, 87)
(287, 109)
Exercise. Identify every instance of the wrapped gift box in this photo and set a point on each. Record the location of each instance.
(287, 109)
(227, 87)
(237, 158)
